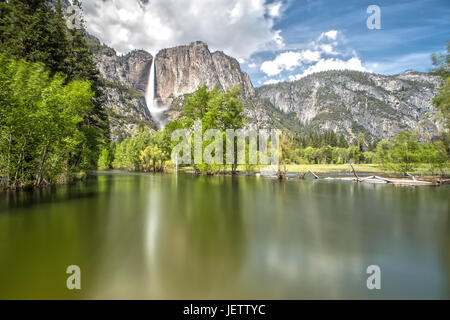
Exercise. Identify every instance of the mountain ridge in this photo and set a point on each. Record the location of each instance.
(343, 100)
(347, 102)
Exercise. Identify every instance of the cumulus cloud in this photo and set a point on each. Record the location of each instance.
(331, 35)
(326, 52)
(272, 81)
(331, 64)
(238, 27)
(274, 9)
(288, 61)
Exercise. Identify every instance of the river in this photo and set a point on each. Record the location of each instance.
(156, 236)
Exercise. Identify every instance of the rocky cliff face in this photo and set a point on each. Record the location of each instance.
(350, 102)
(183, 69)
(347, 102)
(125, 82)
(178, 71)
(229, 73)
(130, 70)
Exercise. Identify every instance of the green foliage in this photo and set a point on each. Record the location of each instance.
(434, 154)
(153, 157)
(127, 153)
(441, 62)
(40, 120)
(442, 100)
(382, 153)
(215, 110)
(404, 153)
(401, 154)
(37, 32)
(106, 157)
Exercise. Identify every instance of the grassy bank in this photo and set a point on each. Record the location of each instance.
(423, 169)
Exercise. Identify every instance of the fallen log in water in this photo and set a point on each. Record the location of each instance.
(315, 176)
(394, 181)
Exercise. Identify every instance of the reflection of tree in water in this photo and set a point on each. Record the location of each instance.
(200, 241)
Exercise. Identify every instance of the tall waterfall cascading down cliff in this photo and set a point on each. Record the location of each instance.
(156, 111)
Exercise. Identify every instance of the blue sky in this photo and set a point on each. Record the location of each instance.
(410, 32)
(281, 40)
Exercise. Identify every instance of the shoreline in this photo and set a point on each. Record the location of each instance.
(341, 172)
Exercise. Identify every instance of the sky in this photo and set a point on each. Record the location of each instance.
(281, 40)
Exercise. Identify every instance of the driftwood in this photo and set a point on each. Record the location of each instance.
(396, 182)
(410, 175)
(354, 172)
(315, 176)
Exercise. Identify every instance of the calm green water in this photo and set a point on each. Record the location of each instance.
(168, 237)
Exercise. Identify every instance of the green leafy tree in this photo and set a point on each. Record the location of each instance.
(106, 158)
(382, 153)
(404, 154)
(435, 155)
(39, 122)
(37, 32)
(441, 63)
(153, 158)
(215, 110)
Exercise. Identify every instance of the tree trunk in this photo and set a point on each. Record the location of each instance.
(9, 160)
(41, 168)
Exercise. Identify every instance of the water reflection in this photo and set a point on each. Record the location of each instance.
(169, 236)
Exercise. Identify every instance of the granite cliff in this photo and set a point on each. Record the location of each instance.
(348, 102)
(181, 70)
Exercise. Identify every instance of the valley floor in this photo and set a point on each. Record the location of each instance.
(423, 169)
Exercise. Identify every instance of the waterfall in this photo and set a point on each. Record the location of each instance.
(155, 110)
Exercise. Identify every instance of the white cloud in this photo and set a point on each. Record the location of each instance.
(288, 61)
(331, 35)
(326, 44)
(238, 27)
(325, 53)
(327, 48)
(331, 64)
(272, 81)
(274, 9)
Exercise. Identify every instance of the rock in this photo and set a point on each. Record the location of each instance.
(347, 102)
(130, 71)
(350, 102)
(183, 69)
(229, 73)
(125, 82)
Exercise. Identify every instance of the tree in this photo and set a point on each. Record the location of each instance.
(342, 143)
(405, 152)
(215, 110)
(354, 154)
(441, 62)
(106, 158)
(382, 153)
(39, 122)
(151, 157)
(310, 154)
(435, 155)
(37, 32)
(442, 100)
